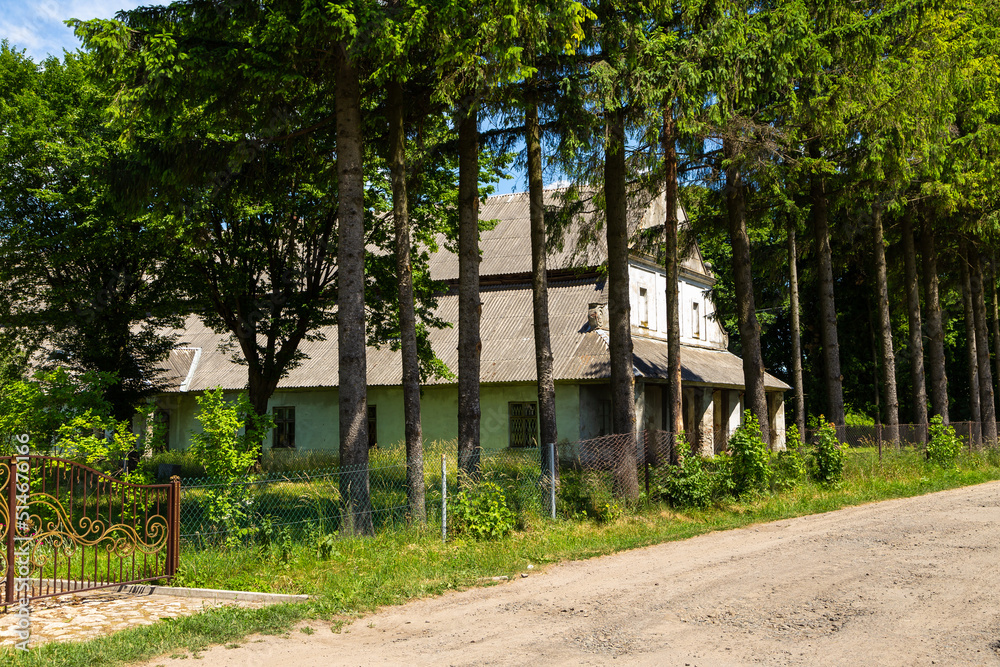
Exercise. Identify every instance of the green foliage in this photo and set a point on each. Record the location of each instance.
(95, 440)
(789, 466)
(695, 481)
(858, 419)
(751, 457)
(687, 484)
(220, 447)
(482, 511)
(189, 466)
(944, 446)
(587, 495)
(41, 405)
(826, 465)
(228, 457)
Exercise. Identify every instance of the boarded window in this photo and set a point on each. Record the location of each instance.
(523, 424)
(605, 418)
(372, 426)
(283, 435)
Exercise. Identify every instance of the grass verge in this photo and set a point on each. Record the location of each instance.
(355, 576)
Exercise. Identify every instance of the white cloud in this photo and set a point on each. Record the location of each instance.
(38, 28)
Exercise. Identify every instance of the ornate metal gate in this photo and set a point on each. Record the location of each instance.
(66, 527)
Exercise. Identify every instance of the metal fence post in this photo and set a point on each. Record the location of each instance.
(174, 555)
(444, 499)
(552, 479)
(11, 500)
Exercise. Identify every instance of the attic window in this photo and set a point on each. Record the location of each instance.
(643, 308)
(695, 320)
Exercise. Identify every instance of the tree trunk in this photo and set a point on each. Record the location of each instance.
(539, 288)
(916, 343)
(626, 478)
(995, 318)
(885, 331)
(972, 356)
(354, 482)
(827, 307)
(987, 401)
(671, 264)
(793, 279)
(407, 319)
(935, 327)
(746, 310)
(469, 306)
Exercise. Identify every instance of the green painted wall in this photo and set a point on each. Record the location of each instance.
(317, 422)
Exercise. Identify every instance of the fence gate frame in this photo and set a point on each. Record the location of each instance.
(67, 521)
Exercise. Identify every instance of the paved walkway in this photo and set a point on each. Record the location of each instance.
(77, 616)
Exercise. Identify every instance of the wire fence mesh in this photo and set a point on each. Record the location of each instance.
(592, 474)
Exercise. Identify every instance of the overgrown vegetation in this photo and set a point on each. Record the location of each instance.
(751, 458)
(944, 446)
(352, 576)
(826, 465)
(482, 511)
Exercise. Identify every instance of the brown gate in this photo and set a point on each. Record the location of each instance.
(66, 527)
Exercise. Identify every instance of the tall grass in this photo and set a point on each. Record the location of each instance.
(355, 575)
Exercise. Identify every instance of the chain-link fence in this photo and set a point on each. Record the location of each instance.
(901, 435)
(592, 475)
(295, 504)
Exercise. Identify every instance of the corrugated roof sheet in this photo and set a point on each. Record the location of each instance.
(176, 368)
(715, 367)
(508, 353)
(506, 249)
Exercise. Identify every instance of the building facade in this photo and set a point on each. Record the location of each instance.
(305, 404)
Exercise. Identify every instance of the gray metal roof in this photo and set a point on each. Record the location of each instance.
(508, 353)
(506, 249)
(698, 365)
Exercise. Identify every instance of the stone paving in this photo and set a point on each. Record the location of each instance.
(77, 616)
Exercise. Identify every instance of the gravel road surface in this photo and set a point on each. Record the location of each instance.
(905, 582)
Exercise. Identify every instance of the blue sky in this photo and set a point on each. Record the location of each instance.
(37, 27)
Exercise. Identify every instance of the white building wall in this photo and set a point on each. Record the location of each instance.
(705, 332)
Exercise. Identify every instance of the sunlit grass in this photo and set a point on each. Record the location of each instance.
(358, 575)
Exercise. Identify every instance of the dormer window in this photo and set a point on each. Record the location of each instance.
(695, 320)
(643, 308)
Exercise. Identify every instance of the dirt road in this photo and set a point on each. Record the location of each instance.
(903, 582)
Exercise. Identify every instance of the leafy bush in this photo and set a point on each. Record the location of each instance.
(587, 495)
(944, 446)
(482, 511)
(228, 456)
(828, 456)
(39, 406)
(789, 466)
(687, 484)
(95, 440)
(858, 419)
(751, 457)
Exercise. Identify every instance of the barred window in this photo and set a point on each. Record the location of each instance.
(523, 421)
(283, 435)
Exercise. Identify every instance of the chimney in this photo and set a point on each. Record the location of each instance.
(597, 316)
